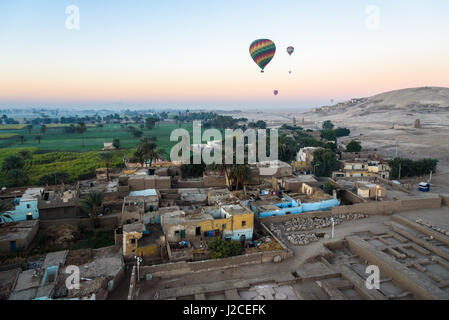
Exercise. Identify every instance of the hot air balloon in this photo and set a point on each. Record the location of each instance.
(276, 92)
(262, 51)
(290, 51)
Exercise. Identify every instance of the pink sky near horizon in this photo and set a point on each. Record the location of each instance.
(336, 56)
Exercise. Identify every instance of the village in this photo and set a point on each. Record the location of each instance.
(281, 236)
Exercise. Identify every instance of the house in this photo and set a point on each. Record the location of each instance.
(220, 196)
(141, 240)
(99, 272)
(363, 168)
(108, 146)
(233, 221)
(369, 190)
(17, 235)
(141, 206)
(26, 206)
(304, 158)
(60, 203)
(276, 168)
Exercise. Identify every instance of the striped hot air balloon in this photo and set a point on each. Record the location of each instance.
(290, 50)
(262, 51)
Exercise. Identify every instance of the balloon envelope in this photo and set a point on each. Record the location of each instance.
(262, 51)
(276, 92)
(290, 50)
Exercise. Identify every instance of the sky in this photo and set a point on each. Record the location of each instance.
(195, 53)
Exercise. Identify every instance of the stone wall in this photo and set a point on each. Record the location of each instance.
(180, 268)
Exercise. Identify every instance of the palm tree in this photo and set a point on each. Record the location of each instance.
(43, 129)
(29, 128)
(242, 174)
(39, 138)
(22, 139)
(81, 128)
(93, 205)
(106, 157)
(139, 155)
(4, 207)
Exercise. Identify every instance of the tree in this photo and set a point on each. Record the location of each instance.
(81, 128)
(324, 162)
(328, 124)
(328, 134)
(258, 125)
(16, 178)
(116, 143)
(242, 174)
(137, 133)
(43, 129)
(29, 128)
(354, 146)
(401, 167)
(329, 187)
(342, 132)
(139, 156)
(39, 138)
(287, 148)
(93, 206)
(223, 249)
(150, 122)
(21, 139)
(25, 154)
(149, 148)
(106, 157)
(54, 178)
(12, 162)
(4, 208)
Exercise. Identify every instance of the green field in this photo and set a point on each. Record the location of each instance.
(60, 151)
(55, 139)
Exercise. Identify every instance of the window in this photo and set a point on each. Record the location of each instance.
(223, 226)
(243, 223)
(177, 233)
(133, 241)
(28, 206)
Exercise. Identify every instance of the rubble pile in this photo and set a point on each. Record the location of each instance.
(302, 239)
(433, 227)
(301, 224)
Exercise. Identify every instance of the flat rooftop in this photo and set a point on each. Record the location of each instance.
(145, 193)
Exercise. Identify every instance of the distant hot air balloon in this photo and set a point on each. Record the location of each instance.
(262, 51)
(290, 50)
(276, 92)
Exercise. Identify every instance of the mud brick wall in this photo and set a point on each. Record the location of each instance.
(190, 183)
(214, 181)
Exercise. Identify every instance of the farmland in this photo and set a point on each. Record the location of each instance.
(56, 139)
(59, 151)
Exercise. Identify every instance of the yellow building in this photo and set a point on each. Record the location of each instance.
(138, 241)
(230, 221)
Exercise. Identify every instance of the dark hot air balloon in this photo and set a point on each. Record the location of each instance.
(262, 51)
(290, 50)
(276, 92)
